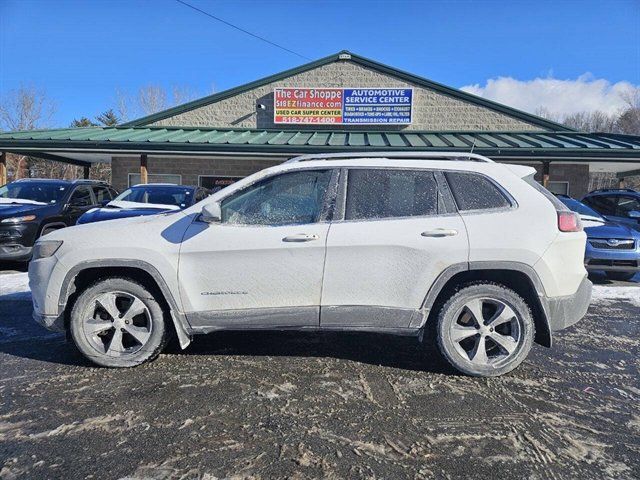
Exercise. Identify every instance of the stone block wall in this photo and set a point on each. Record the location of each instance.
(431, 110)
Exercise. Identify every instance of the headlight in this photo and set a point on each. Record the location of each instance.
(26, 218)
(45, 248)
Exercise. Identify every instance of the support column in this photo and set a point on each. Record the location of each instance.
(144, 177)
(86, 171)
(545, 174)
(3, 168)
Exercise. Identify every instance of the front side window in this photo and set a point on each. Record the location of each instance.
(475, 192)
(606, 205)
(287, 199)
(102, 194)
(81, 197)
(390, 193)
(626, 205)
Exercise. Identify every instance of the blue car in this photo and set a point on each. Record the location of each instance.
(611, 247)
(620, 205)
(146, 199)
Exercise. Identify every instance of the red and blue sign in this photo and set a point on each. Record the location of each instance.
(364, 106)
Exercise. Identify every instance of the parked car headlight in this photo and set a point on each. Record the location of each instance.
(45, 248)
(26, 218)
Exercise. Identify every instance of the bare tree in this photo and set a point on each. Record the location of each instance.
(25, 108)
(629, 121)
(151, 99)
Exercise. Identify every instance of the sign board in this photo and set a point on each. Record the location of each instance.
(343, 106)
(216, 183)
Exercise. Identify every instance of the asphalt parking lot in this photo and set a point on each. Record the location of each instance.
(285, 405)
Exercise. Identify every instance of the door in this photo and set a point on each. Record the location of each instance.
(80, 201)
(395, 237)
(263, 264)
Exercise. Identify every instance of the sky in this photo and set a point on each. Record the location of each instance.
(563, 55)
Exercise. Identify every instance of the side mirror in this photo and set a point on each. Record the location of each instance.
(212, 213)
(635, 214)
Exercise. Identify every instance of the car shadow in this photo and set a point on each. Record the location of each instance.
(393, 351)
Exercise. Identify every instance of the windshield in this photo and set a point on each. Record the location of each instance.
(580, 208)
(178, 196)
(36, 192)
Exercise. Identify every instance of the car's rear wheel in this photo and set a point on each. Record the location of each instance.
(485, 330)
(117, 322)
(622, 276)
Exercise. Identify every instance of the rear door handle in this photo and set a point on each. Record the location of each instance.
(439, 232)
(300, 237)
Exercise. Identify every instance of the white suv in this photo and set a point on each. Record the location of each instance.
(457, 246)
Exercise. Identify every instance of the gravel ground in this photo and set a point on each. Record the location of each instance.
(286, 405)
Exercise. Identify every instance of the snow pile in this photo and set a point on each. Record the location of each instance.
(14, 286)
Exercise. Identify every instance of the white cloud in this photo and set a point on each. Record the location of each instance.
(562, 97)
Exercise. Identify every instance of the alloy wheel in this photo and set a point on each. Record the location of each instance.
(486, 331)
(117, 324)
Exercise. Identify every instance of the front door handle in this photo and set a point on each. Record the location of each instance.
(300, 237)
(439, 232)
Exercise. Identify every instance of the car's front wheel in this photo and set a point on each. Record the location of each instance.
(117, 322)
(485, 330)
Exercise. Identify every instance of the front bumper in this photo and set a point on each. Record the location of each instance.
(16, 240)
(611, 259)
(562, 312)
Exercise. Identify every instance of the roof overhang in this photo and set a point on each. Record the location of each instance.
(83, 146)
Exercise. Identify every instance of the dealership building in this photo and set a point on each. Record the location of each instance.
(341, 103)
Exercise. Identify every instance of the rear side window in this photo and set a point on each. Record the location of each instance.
(387, 193)
(475, 192)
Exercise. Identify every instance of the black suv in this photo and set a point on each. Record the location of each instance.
(30, 208)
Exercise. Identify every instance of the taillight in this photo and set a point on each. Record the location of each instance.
(569, 222)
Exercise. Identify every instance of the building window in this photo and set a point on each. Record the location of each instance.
(216, 182)
(559, 188)
(134, 178)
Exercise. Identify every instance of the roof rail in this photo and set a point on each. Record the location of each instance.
(469, 157)
(88, 180)
(613, 190)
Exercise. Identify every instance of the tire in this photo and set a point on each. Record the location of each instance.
(123, 311)
(507, 341)
(622, 276)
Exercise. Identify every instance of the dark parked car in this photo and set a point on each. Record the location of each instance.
(620, 205)
(611, 247)
(30, 208)
(147, 199)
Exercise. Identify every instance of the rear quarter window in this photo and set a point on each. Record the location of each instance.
(472, 191)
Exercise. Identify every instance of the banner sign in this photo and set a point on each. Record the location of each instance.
(364, 106)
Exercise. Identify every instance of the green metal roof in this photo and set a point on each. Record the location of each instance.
(367, 63)
(202, 141)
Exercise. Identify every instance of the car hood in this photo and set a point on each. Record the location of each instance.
(20, 209)
(101, 214)
(608, 230)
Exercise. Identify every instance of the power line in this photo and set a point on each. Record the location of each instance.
(241, 29)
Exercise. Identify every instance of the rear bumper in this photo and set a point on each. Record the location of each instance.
(562, 312)
(50, 322)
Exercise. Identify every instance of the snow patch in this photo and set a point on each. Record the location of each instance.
(604, 293)
(14, 286)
